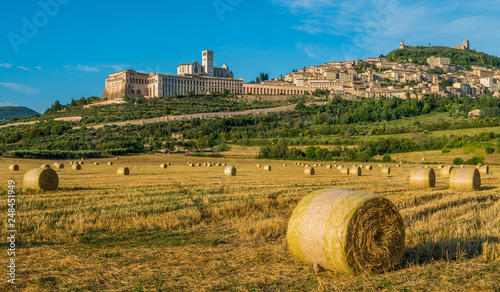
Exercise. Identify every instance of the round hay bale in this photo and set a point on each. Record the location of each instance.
(223, 164)
(267, 167)
(380, 165)
(386, 170)
(344, 171)
(399, 165)
(14, 167)
(191, 164)
(355, 171)
(285, 165)
(346, 232)
(41, 179)
(60, 166)
(484, 169)
(309, 171)
(465, 179)
(56, 163)
(339, 167)
(168, 163)
(110, 163)
(423, 159)
(44, 166)
(81, 162)
(96, 163)
(219, 164)
(198, 164)
(163, 165)
(259, 166)
(445, 171)
(117, 158)
(462, 166)
(321, 164)
(83, 158)
(427, 166)
(230, 171)
(479, 165)
(76, 167)
(361, 166)
(123, 171)
(422, 178)
(368, 167)
(329, 167)
(308, 165)
(440, 166)
(204, 164)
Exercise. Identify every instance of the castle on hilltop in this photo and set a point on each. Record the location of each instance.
(464, 46)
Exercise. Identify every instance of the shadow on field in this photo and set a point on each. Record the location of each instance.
(488, 188)
(453, 249)
(80, 189)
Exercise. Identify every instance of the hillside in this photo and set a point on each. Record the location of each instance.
(9, 112)
(464, 58)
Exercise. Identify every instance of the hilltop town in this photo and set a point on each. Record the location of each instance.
(372, 77)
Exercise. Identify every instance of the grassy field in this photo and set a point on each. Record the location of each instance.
(195, 229)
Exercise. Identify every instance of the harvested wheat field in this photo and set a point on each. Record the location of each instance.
(197, 229)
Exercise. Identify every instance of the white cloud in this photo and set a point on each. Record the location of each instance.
(39, 68)
(115, 67)
(20, 87)
(7, 104)
(6, 65)
(23, 68)
(97, 68)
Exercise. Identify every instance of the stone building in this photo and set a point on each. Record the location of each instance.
(464, 46)
(192, 77)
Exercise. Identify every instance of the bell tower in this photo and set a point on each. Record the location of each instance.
(208, 62)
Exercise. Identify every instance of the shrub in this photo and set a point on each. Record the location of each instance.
(386, 158)
(475, 160)
(489, 150)
(445, 150)
(458, 161)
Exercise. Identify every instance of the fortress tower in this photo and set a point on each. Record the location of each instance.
(402, 45)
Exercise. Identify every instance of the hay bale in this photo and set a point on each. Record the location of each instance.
(56, 163)
(14, 167)
(191, 164)
(422, 178)
(355, 171)
(440, 166)
(82, 158)
(329, 167)
(344, 171)
(110, 163)
(423, 159)
(96, 163)
(44, 166)
(60, 166)
(285, 165)
(163, 165)
(223, 164)
(204, 164)
(308, 165)
(339, 167)
(123, 171)
(462, 166)
(386, 170)
(230, 171)
(81, 162)
(362, 166)
(168, 163)
(44, 179)
(368, 167)
(321, 164)
(259, 166)
(309, 171)
(484, 169)
(399, 165)
(76, 167)
(465, 179)
(117, 158)
(445, 171)
(198, 164)
(427, 166)
(267, 167)
(219, 164)
(346, 232)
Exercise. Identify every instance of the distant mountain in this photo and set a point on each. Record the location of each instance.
(466, 58)
(7, 113)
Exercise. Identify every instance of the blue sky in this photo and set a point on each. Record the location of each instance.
(63, 49)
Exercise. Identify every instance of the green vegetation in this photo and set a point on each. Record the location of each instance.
(13, 113)
(137, 108)
(465, 58)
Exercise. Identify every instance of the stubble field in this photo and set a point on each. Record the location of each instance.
(195, 229)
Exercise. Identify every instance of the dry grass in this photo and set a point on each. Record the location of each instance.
(196, 229)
